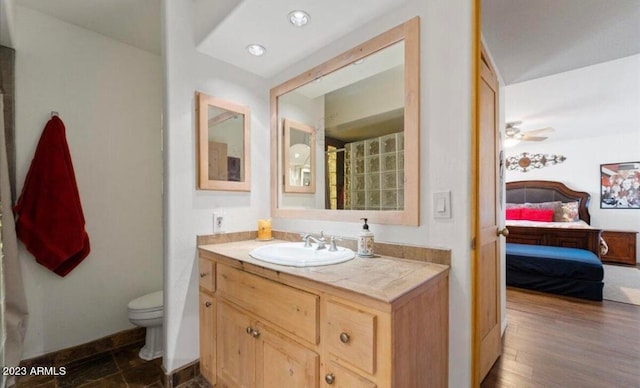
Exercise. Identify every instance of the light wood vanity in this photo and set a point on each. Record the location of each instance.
(380, 322)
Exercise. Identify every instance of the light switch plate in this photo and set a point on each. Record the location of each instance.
(442, 204)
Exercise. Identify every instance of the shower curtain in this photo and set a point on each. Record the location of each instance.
(15, 310)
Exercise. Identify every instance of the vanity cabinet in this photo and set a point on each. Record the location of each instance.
(273, 328)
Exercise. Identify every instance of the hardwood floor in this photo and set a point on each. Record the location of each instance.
(564, 342)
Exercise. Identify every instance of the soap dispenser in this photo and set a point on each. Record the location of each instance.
(365, 241)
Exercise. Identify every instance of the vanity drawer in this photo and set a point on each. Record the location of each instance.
(339, 377)
(206, 269)
(351, 335)
(291, 309)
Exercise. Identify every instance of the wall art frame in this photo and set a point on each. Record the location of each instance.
(620, 185)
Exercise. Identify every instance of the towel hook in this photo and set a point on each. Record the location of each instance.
(54, 113)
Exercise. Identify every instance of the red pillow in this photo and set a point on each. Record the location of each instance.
(514, 213)
(545, 215)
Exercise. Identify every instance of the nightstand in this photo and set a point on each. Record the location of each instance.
(622, 246)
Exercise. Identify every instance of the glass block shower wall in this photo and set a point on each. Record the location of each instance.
(331, 169)
(374, 173)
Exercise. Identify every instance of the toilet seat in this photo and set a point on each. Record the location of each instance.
(145, 314)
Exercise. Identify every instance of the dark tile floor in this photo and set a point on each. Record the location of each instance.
(114, 369)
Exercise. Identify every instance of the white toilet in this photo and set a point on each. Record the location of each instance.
(146, 311)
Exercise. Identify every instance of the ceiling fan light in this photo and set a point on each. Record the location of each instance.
(510, 142)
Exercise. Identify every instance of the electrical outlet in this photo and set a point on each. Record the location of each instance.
(218, 223)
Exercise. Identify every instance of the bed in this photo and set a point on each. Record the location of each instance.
(558, 255)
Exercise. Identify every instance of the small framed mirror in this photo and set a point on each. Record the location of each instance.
(223, 144)
(299, 153)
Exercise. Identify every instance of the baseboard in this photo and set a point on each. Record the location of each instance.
(184, 374)
(65, 356)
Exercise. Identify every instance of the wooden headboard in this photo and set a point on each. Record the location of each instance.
(548, 191)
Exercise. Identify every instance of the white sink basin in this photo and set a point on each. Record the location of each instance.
(296, 255)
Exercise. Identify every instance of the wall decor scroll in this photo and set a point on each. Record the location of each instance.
(526, 161)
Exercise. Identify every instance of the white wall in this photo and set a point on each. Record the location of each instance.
(444, 158)
(188, 212)
(618, 82)
(109, 96)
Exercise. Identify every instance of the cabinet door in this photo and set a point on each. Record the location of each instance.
(235, 348)
(207, 337)
(281, 362)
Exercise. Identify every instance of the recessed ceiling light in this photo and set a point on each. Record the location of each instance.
(256, 50)
(298, 18)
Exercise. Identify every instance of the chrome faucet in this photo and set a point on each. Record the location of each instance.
(308, 237)
(332, 243)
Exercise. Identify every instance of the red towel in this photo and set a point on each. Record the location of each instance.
(49, 215)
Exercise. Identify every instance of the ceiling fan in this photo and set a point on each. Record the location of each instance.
(513, 132)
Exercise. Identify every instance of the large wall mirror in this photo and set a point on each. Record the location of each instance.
(223, 144)
(363, 109)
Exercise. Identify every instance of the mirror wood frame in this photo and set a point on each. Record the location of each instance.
(288, 126)
(409, 32)
(203, 101)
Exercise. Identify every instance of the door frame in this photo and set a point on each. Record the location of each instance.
(475, 128)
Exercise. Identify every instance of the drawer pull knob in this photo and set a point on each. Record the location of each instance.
(330, 378)
(207, 304)
(255, 333)
(203, 274)
(249, 329)
(344, 338)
